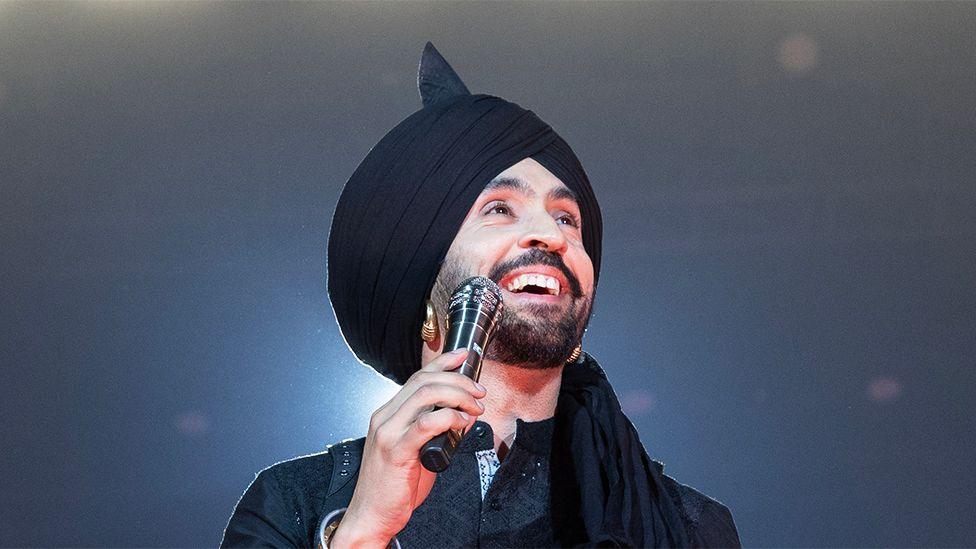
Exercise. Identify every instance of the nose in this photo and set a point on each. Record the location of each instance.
(542, 231)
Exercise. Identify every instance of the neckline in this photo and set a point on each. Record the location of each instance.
(532, 436)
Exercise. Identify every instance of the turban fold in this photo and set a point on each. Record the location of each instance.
(401, 209)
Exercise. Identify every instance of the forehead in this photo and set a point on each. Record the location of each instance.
(532, 179)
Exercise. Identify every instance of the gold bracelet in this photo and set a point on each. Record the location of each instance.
(328, 527)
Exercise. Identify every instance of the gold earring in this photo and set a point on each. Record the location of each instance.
(576, 353)
(428, 332)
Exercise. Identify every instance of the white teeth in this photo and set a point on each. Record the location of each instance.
(552, 285)
(540, 280)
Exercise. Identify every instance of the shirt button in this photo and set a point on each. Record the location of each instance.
(479, 430)
(494, 505)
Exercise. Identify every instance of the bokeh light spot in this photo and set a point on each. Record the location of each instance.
(883, 389)
(798, 54)
(636, 402)
(192, 424)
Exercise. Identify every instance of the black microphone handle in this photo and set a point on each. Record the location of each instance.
(436, 454)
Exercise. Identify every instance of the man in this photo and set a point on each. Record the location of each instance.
(475, 185)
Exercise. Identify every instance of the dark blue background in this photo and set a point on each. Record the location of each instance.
(787, 301)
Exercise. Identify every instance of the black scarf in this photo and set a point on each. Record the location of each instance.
(616, 497)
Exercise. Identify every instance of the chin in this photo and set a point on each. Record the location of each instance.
(529, 341)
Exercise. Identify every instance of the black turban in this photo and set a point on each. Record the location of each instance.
(401, 209)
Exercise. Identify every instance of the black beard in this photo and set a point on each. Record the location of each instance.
(538, 342)
(531, 337)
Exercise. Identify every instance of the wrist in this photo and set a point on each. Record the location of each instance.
(353, 533)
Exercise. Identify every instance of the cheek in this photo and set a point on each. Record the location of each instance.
(583, 267)
(485, 248)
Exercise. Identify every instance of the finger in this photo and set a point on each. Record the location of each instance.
(446, 361)
(443, 369)
(470, 424)
(429, 396)
(421, 379)
(431, 424)
(439, 395)
(459, 380)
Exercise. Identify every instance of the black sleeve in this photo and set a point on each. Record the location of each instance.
(716, 527)
(261, 518)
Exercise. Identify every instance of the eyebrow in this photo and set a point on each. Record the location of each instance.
(561, 192)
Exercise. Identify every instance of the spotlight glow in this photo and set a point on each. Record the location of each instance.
(884, 389)
(798, 54)
(192, 424)
(636, 402)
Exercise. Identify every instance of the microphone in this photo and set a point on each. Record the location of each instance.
(472, 313)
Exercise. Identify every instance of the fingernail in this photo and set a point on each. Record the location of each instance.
(480, 387)
(464, 415)
(480, 405)
(459, 351)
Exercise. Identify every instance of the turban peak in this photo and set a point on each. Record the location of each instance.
(436, 79)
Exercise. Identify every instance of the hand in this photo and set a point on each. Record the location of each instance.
(392, 482)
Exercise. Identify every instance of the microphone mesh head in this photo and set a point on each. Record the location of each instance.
(478, 291)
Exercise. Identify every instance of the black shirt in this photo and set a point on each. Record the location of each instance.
(286, 502)
(515, 509)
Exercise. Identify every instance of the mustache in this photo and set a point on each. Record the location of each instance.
(535, 256)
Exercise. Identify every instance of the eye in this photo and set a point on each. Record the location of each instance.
(568, 219)
(498, 208)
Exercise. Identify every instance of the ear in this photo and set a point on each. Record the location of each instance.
(436, 79)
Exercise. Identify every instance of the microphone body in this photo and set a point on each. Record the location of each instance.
(472, 314)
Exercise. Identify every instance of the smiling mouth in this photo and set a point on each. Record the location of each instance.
(531, 283)
(538, 274)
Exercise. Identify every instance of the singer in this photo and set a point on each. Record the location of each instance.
(474, 185)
